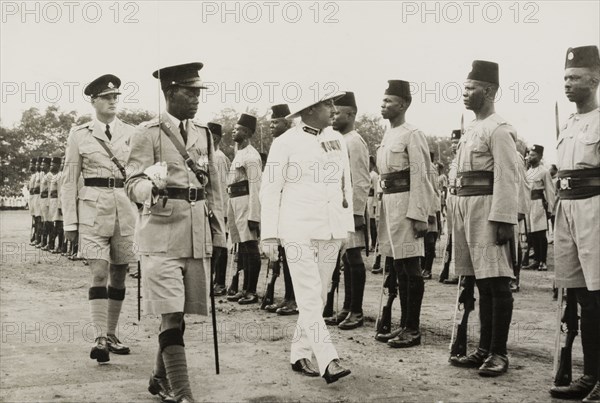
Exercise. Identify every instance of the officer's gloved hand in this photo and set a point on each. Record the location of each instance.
(270, 247)
(504, 232)
(420, 228)
(157, 173)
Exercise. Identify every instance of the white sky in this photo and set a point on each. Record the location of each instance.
(50, 50)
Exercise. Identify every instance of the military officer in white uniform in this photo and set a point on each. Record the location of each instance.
(99, 213)
(306, 204)
(485, 215)
(404, 165)
(576, 232)
(181, 221)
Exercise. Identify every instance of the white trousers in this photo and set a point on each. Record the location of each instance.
(311, 265)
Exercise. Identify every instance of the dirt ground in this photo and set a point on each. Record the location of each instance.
(46, 337)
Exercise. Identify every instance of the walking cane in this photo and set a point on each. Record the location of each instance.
(214, 318)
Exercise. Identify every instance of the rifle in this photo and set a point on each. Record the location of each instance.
(570, 318)
(384, 322)
(269, 296)
(467, 298)
(335, 282)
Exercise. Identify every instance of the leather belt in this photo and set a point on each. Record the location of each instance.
(44, 194)
(54, 194)
(238, 189)
(104, 182)
(576, 184)
(35, 191)
(475, 183)
(188, 194)
(395, 182)
(537, 194)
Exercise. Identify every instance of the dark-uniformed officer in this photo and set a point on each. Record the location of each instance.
(404, 165)
(577, 233)
(180, 222)
(344, 116)
(485, 215)
(99, 213)
(244, 206)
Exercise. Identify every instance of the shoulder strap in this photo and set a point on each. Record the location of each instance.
(181, 149)
(112, 157)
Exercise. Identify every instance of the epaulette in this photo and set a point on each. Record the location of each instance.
(85, 125)
(149, 123)
(196, 123)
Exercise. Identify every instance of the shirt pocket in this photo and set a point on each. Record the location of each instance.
(398, 156)
(590, 137)
(88, 205)
(479, 145)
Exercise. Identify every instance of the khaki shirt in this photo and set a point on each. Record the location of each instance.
(223, 163)
(358, 153)
(579, 142)
(247, 166)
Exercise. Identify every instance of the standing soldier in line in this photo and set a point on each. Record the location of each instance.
(577, 233)
(99, 213)
(58, 217)
(523, 210)
(32, 199)
(432, 223)
(38, 209)
(344, 116)
(45, 177)
(53, 202)
(485, 215)
(404, 165)
(306, 205)
(244, 206)
(443, 188)
(278, 125)
(374, 207)
(223, 164)
(182, 207)
(542, 205)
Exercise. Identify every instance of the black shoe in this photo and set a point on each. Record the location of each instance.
(594, 395)
(377, 270)
(384, 337)
(451, 281)
(288, 309)
(100, 350)
(494, 365)
(115, 345)
(305, 367)
(542, 267)
(236, 297)
(533, 266)
(274, 307)
(249, 298)
(408, 338)
(426, 275)
(352, 321)
(336, 319)
(335, 371)
(578, 389)
(473, 360)
(219, 290)
(135, 274)
(160, 386)
(514, 286)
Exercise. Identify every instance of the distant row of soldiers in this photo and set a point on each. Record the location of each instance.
(13, 202)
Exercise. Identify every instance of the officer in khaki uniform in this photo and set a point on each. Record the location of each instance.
(344, 115)
(181, 221)
(576, 231)
(404, 165)
(485, 215)
(541, 207)
(243, 212)
(100, 213)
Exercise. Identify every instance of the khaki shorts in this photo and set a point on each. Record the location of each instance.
(576, 244)
(175, 285)
(115, 249)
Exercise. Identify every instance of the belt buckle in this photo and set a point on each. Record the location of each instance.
(111, 183)
(565, 183)
(382, 183)
(192, 191)
(228, 190)
(458, 184)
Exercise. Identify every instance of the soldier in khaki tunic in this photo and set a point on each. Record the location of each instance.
(404, 165)
(577, 233)
(344, 115)
(541, 207)
(244, 206)
(485, 215)
(99, 213)
(58, 217)
(222, 163)
(180, 223)
(432, 223)
(32, 199)
(44, 204)
(53, 203)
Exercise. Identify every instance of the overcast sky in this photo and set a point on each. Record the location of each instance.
(256, 54)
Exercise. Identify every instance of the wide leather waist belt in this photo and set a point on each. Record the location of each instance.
(238, 189)
(35, 191)
(44, 194)
(475, 183)
(576, 184)
(189, 194)
(104, 182)
(537, 194)
(54, 194)
(395, 182)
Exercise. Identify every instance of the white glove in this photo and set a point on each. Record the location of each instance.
(270, 247)
(157, 173)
